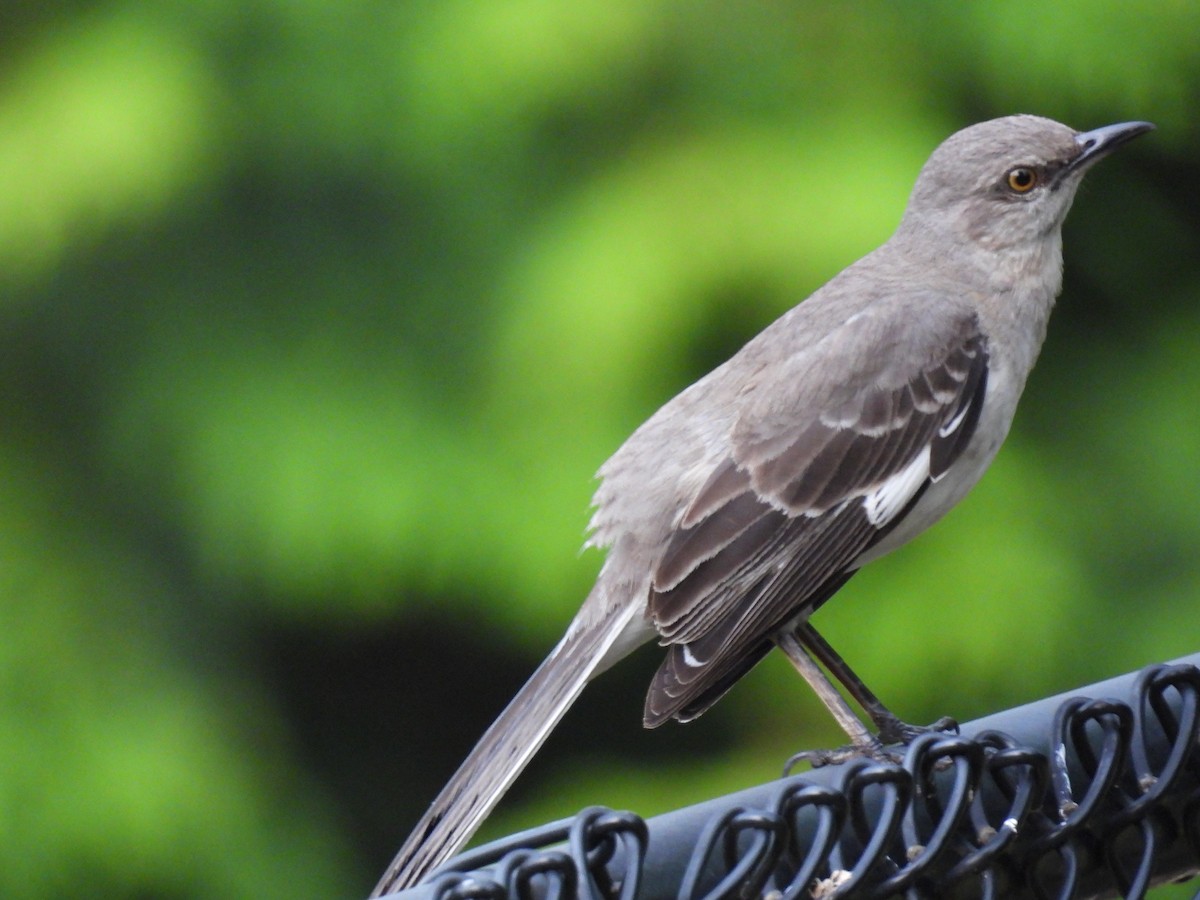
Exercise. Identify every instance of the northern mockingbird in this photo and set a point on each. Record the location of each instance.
(847, 427)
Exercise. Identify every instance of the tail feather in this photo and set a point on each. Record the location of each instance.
(503, 751)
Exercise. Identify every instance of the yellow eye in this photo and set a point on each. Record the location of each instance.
(1022, 179)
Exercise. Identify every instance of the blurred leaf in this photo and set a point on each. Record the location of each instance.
(121, 761)
(105, 120)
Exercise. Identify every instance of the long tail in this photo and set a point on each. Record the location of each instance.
(505, 748)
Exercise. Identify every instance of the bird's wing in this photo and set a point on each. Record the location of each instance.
(811, 481)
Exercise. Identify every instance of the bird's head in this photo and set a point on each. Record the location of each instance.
(1008, 183)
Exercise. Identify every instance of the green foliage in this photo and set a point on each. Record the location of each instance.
(315, 322)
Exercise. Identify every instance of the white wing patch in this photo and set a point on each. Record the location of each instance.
(952, 426)
(886, 501)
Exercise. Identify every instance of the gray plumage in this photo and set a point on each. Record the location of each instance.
(845, 428)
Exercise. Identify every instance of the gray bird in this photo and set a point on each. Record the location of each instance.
(850, 425)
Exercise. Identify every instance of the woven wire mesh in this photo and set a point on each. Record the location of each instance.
(1092, 794)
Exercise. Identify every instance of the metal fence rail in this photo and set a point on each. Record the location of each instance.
(1092, 793)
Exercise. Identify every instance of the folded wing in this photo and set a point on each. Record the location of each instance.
(780, 523)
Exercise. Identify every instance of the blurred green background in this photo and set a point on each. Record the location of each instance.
(316, 320)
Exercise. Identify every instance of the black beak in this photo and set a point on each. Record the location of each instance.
(1098, 143)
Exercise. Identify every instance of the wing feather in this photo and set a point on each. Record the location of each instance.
(779, 524)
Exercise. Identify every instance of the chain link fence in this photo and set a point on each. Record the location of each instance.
(1089, 794)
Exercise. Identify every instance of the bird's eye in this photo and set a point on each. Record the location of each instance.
(1022, 179)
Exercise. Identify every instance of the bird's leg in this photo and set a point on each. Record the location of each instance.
(793, 649)
(890, 727)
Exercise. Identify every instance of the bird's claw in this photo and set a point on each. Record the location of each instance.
(886, 747)
(873, 749)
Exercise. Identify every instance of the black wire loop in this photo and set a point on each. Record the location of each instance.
(946, 773)
(742, 846)
(1109, 804)
(1020, 776)
(799, 803)
(548, 875)
(458, 886)
(596, 836)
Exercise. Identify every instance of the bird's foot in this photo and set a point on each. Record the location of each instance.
(886, 747)
(873, 749)
(894, 731)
